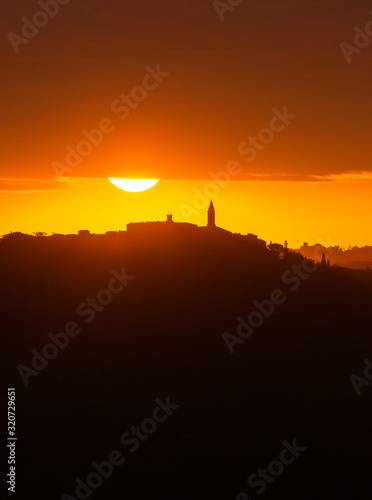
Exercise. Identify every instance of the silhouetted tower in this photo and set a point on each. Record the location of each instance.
(169, 218)
(324, 262)
(211, 216)
(286, 244)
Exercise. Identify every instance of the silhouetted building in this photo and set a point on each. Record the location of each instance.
(170, 229)
(324, 261)
(160, 228)
(211, 216)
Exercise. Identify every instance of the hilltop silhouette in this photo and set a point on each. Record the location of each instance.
(354, 257)
(176, 291)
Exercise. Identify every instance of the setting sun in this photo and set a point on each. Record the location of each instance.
(134, 185)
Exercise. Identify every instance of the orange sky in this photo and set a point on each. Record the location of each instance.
(223, 81)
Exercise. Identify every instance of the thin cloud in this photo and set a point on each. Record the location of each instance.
(31, 186)
(344, 177)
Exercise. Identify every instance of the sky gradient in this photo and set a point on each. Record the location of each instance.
(310, 180)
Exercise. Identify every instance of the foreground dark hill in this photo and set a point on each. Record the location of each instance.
(163, 336)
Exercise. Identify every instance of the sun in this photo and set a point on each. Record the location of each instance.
(134, 185)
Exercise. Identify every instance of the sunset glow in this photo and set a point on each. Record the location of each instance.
(293, 113)
(186, 187)
(134, 185)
